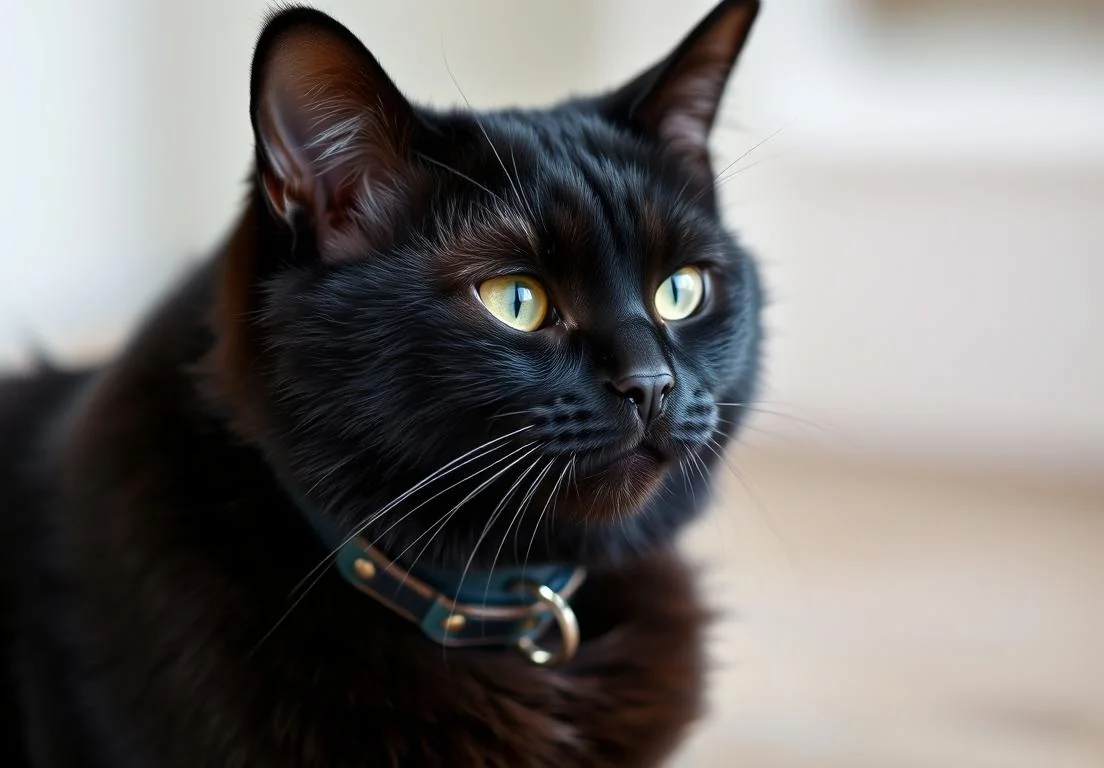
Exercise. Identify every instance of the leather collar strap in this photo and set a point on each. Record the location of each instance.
(502, 607)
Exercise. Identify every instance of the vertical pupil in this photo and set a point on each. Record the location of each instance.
(517, 299)
(674, 291)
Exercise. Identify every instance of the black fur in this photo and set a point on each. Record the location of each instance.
(149, 547)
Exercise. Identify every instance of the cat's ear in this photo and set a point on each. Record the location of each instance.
(334, 135)
(675, 102)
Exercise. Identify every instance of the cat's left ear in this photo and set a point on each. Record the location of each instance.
(675, 102)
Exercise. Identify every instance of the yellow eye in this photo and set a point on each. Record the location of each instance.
(680, 294)
(516, 300)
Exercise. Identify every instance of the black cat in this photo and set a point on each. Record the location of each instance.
(395, 478)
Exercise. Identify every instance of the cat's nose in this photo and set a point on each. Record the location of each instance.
(647, 391)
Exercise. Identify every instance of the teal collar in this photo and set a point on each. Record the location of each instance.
(511, 606)
(506, 606)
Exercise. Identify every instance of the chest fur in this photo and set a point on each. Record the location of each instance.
(376, 692)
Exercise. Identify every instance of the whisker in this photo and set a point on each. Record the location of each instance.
(714, 509)
(687, 480)
(683, 470)
(486, 529)
(696, 462)
(462, 175)
(445, 518)
(742, 425)
(522, 412)
(540, 517)
(525, 200)
(685, 466)
(720, 179)
(476, 473)
(432, 477)
(756, 408)
(737, 171)
(285, 614)
(528, 499)
(747, 152)
(714, 184)
(681, 192)
(321, 572)
(326, 476)
(482, 130)
(521, 507)
(718, 451)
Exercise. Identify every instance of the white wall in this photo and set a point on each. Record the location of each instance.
(927, 215)
(75, 195)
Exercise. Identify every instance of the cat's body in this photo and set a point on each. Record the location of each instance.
(149, 545)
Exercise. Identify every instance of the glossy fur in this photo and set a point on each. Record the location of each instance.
(335, 348)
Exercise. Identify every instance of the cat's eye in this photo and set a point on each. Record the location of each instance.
(680, 294)
(517, 300)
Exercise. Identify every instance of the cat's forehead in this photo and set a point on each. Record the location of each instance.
(562, 191)
(566, 138)
(563, 228)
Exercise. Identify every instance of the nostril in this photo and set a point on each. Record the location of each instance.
(627, 389)
(634, 395)
(647, 392)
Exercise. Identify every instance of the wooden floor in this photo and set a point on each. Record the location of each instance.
(882, 617)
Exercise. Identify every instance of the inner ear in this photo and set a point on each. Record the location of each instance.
(675, 102)
(334, 135)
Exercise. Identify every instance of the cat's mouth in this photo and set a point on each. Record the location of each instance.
(642, 457)
(613, 486)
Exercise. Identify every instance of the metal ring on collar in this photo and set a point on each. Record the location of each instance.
(550, 600)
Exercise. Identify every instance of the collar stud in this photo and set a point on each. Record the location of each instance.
(364, 569)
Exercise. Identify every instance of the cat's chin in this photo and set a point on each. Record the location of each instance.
(622, 487)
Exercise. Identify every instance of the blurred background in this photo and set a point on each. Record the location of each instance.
(909, 549)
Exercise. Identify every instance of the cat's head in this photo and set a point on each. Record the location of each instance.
(541, 310)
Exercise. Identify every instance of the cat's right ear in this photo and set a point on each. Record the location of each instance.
(334, 135)
(675, 102)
